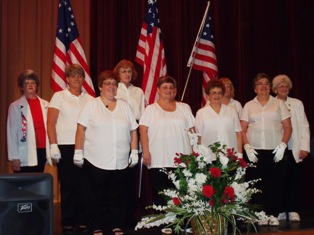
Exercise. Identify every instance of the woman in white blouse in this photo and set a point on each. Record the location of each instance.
(63, 112)
(298, 146)
(134, 95)
(164, 129)
(228, 97)
(105, 137)
(217, 121)
(266, 130)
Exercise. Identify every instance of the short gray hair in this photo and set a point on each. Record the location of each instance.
(281, 78)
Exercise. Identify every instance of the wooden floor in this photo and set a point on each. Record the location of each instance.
(305, 227)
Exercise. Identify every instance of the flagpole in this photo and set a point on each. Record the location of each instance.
(191, 59)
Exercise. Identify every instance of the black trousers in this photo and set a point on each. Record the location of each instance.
(41, 159)
(292, 187)
(273, 176)
(132, 200)
(72, 188)
(106, 196)
(160, 182)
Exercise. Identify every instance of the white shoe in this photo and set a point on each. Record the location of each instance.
(166, 231)
(188, 230)
(273, 221)
(263, 222)
(282, 216)
(294, 216)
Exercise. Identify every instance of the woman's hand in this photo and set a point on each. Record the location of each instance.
(147, 159)
(16, 165)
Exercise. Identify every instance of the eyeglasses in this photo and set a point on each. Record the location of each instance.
(110, 83)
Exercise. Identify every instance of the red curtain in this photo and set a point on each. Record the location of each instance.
(251, 36)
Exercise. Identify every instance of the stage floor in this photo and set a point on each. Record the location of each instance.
(305, 227)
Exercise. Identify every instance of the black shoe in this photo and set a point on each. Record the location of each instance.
(82, 228)
(67, 229)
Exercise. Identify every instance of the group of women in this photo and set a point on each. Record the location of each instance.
(95, 141)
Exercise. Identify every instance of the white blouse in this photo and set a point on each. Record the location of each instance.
(265, 128)
(214, 127)
(134, 96)
(107, 135)
(167, 133)
(69, 107)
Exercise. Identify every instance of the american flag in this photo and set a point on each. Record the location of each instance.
(68, 50)
(203, 56)
(150, 52)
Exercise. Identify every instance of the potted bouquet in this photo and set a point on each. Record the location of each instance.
(210, 192)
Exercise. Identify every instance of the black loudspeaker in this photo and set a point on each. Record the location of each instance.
(26, 206)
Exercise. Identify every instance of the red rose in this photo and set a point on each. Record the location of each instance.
(176, 201)
(230, 152)
(177, 160)
(211, 202)
(225, 201)
(196, 154)
(215, 172)
(242, 162)
(229, 192)
(208, 191)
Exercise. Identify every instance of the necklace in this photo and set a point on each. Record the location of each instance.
(106, 102)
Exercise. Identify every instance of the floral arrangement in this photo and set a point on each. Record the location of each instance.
(209, 192)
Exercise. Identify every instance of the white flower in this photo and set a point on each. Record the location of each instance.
(176, 183)
(187, 173)
(240, 190)
(159, 207)
(200, 178)
(201, 165)
(171, 193)
(192, 187)
(223, 159)
(240, 173)
(146, 221)
(204, 152)
(189, 178)
(171, 176)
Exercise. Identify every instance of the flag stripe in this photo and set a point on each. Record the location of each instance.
(150, 52)
(68, 50)
(140, 53)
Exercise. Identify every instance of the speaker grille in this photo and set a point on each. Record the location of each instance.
(34, 220)
(26, 204)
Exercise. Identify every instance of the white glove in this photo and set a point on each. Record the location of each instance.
(55, 153)
(251, 153)
(239, 155)
(78, 158)
(133, 160)
(193, 137)
(279, 152)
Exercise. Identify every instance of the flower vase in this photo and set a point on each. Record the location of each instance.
(208, 225)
